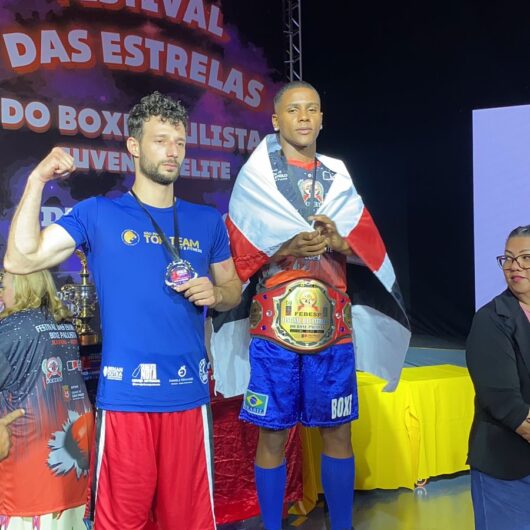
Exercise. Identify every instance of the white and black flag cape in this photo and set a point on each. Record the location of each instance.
(260, 219)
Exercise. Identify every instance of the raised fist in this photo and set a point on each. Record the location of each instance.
(57, 164)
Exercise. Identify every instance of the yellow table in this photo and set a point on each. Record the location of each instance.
(418, 431)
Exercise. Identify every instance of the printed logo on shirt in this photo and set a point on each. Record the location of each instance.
(73, 365)
(181, 379)
(203, 371)
(66, 392)
(341, 407)
(52, 368)
(113, 373)
(77, 393)
(130, 237)
(145, 375)
(69, 446)
(306, 189)
(186, 243)
(328, 175)
(255, 403)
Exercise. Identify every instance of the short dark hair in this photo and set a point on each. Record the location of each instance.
(289, 86)
(520, 231)
(159, 105)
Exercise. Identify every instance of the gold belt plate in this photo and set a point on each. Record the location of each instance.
(303, 315)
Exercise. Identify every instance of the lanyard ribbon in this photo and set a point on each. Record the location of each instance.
(174, 250)
(305, 208)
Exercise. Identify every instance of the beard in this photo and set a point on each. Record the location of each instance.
(152, 171)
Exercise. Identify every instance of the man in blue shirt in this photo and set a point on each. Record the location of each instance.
(157, 262)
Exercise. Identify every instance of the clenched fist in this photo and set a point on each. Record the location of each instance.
(57, 164)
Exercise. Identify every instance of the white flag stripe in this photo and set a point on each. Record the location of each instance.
(381, 344)
(229, 349)
(386, 274)
(256, 204)
(267, 219)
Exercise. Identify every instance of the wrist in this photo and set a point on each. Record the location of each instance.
(281, 253)
(218, 297)
(344, 247)
(35, 179)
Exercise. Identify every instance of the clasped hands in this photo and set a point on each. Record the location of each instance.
(310, 244)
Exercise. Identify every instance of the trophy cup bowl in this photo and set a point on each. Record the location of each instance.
(81, 299)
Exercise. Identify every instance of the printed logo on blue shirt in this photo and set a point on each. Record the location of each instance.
(255, 403)
(145, 375)
(183, 377)
(185, 243)
(130, 237)
(203, 371)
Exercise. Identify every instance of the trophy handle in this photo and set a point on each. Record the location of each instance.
(82, 258)
(82, 299)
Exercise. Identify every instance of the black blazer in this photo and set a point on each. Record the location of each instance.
(498, 358)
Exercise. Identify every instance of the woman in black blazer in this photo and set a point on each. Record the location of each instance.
(498, 358)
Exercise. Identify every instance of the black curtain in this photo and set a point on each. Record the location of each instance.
(398, 83)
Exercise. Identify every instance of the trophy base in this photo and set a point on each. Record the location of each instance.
(89, 339)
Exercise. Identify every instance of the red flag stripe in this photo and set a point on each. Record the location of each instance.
(247, 258)
(367, 243)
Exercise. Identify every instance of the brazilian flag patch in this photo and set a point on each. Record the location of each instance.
(255, 403)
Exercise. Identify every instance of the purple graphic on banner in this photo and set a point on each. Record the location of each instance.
(70, 70)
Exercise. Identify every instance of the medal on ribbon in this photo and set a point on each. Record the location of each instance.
(178, 272)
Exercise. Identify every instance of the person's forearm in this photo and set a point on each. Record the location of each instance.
(283, 252)
(24, 233)
(227, 295)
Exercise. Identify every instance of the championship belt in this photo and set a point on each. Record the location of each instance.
(303, 315)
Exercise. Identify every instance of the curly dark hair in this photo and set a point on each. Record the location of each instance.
(155, 104)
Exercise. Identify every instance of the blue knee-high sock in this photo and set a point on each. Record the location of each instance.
(270, 485)
(338, 476)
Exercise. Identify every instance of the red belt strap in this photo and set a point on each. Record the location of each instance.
(303, 315)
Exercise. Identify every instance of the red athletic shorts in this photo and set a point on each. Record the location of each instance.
(152, 471)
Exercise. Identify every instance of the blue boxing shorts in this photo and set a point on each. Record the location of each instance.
(317, 390)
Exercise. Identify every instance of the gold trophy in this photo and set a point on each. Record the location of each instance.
(81, 299)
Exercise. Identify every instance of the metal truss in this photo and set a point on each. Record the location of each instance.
(292, 30)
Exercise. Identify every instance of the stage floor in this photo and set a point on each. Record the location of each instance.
(441, 504)
(444, 502)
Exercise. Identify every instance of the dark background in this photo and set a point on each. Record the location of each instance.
(398, 83)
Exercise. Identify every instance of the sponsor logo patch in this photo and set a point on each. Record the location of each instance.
(113, 373)
(52, 368)
(255, 403)
(183, 378)
(203, 371)
(145, 374)
(73, 365)
(130, 237)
